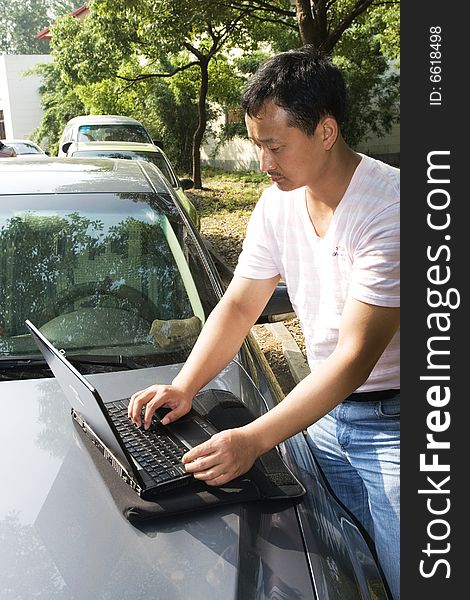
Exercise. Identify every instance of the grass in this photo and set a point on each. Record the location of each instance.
(228, 191)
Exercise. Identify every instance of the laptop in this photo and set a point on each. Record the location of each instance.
(149, 461)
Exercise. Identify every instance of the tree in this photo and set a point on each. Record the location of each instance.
(20, 20)
(362, 36)
(123, 46)
(171, 37)
(60, 102)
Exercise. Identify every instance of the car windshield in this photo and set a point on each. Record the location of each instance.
(154, 157)
(119, 276)
(113, 133)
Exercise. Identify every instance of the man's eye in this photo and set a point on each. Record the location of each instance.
(276, 149)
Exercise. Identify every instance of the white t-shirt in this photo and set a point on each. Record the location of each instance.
(359, 257)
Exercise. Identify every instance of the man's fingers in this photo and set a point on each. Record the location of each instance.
(137, 401)
(207, 469)
(196, 454)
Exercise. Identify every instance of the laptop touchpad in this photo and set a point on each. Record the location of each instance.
(189, 432)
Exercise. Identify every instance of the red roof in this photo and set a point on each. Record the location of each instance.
(78, 13)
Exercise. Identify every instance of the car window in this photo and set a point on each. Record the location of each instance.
(25, 148)
(115, 280)
(113, 133)
(154, 157)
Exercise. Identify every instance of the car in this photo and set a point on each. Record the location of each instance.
(24, 147)
(100, 128)
(139, 151)
(94, 252)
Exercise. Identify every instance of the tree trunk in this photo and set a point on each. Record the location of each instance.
(316, 27)
(202, 122)
(312, 22)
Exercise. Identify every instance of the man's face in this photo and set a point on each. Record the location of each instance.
(290, 157)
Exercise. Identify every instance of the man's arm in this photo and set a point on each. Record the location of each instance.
(365, 332)
(219, 341)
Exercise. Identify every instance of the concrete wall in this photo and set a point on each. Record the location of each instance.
(19, 96)
(237, 155)
(386, 148)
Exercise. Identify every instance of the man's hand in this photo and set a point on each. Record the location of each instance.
(155, 397)
(226, 455)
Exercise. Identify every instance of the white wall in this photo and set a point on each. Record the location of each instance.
(386, 148)
(238, 154)
(19, 96)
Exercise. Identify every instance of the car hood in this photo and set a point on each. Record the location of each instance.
(64, 537)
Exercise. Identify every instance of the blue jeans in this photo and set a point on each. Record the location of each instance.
(357, 446)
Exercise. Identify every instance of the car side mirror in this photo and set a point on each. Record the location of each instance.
(278, 308)
(186, 183)
(47, 152)
(66, 146)
(159, 143)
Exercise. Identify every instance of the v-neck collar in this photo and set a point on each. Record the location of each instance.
(354, 182)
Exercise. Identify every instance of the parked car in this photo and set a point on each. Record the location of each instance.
(24, 147)
(139, 151)
(94, 252)
(100, 128)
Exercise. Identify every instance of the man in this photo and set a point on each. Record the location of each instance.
(329, 227)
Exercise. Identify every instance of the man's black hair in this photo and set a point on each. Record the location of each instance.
(304, 82)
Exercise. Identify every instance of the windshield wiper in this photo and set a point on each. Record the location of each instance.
(11, 361)
(105, 360)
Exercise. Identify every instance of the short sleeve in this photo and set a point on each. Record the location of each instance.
(376, 263)
(256, 261)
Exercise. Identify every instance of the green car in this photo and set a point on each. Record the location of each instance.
(138, 151)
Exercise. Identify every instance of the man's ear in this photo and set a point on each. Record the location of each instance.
(329, 132)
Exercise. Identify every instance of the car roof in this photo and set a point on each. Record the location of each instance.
(97, 119)
(53, 175)
(112, 145)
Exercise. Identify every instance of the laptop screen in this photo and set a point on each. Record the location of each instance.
(83, 397)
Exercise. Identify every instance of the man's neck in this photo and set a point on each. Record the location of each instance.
(340, 167)
(327, 194)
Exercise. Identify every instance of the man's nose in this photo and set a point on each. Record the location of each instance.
(266, 161)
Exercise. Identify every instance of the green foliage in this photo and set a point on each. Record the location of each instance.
(21, 20)
(119, 59)
(387, 20)
(373, 84)
(59, 103)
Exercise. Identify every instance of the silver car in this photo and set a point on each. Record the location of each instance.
(93, 252)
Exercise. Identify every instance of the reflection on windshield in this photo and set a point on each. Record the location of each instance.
(116, 284)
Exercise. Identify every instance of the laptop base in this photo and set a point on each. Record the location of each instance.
(267, 480)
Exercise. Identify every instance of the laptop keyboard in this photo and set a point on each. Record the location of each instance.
(154, 449)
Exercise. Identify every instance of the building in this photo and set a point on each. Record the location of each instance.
(20, 107)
